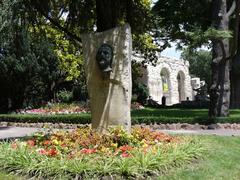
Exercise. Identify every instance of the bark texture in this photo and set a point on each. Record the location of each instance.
(220, 87)
(109, 13)
(235, 70)
(235, 86)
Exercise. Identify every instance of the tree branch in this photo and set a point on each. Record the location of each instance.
(232, 9)
(55, 23)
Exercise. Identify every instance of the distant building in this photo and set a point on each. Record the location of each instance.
(169, 81)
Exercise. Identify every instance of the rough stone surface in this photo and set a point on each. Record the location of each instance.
(110, 93)
(178, 80)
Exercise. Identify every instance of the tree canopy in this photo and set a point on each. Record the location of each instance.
(194, 23)
(200, 63)
(61, 23)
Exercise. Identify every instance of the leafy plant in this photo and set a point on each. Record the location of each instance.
(65, 96)
(85, 153)
(142, 92)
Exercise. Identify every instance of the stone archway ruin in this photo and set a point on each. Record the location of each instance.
(181, 86)
(169, 81)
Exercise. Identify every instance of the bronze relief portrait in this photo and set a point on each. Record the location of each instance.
(104, 57)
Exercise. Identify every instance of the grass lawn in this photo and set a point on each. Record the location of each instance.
(170, 115)
(221, 161)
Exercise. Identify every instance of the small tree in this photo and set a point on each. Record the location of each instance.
(197, 59)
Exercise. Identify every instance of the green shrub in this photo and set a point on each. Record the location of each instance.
(71, 118)
(142, 93)
(80, 93)
(65, 96)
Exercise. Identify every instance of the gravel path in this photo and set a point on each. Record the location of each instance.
(18, 132)
(218, 132)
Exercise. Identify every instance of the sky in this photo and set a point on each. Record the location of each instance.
(172, 52)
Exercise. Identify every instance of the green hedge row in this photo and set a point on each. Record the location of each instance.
(72, 118)
(86, 119)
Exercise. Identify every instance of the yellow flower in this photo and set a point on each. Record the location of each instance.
(143, 142)
(154, 149)
(115, 145)
(145, 145)
(55, 142)
(104, 149)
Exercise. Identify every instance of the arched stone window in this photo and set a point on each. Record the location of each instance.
(181, 86)
(165, 81)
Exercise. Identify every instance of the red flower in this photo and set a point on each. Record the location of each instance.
(88, 151)
(162, 137)
(52, 152)
(64, 145)
(125, 154)
(42, 151)
(125, 148)
(47, 143)
(31, 143)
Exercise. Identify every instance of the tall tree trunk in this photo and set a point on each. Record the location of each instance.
(235, 88)
(220, 87)
(109, 14)
(235, 70)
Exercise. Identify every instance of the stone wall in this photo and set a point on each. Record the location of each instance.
(177, 84)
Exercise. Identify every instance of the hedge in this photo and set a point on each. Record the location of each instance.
(68, 118)
(136, 119)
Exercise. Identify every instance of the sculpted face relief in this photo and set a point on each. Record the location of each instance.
(104, 57)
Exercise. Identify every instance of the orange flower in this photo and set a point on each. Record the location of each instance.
(52, 152)
(88, 151)
(31, 143)
(63, 145)
(47, 143)
(125, 148)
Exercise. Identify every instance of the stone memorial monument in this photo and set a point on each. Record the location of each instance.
(107, 58)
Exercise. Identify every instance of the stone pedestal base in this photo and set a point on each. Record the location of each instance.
(110, 93)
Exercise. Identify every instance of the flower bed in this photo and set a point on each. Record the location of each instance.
(61, 108)
(85, 141)
(83, 153)
(58, 108)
